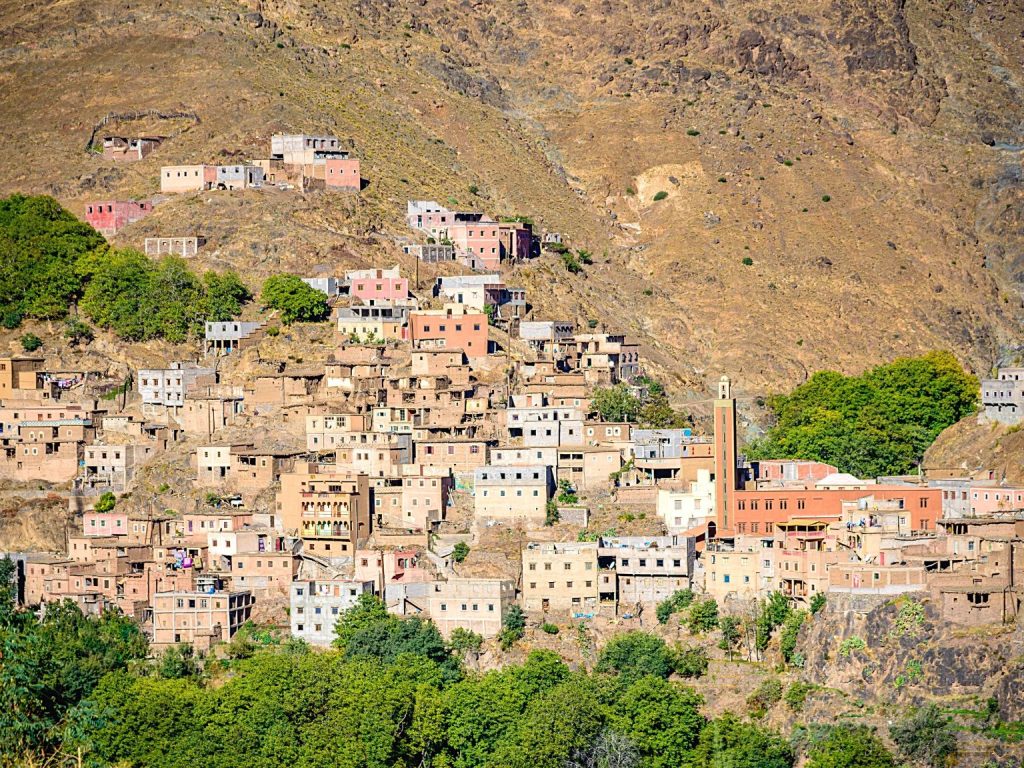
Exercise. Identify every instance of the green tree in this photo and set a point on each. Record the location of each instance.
(30, 342)
(463, 640)
(727, 742)
(661, 719)
(178, 661)
(635, 654)
(41, 244)
(460, 551)
(879, 423)
(690, 661)
(703, 616)
(790, 631)
(294, 299)
(615, 403)
(927, 737)
(678, 601)
(368, 612)
(225, 295)
(513, 627)
(729, 626)
(105, 502)
(850, 746)
(77, 332)
(818, 602)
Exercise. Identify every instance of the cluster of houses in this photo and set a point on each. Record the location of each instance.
(312, 483)
(296, 161)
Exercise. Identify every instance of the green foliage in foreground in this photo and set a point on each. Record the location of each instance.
(879, 423)
(391, 695)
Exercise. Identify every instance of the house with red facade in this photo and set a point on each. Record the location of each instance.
(108, 217)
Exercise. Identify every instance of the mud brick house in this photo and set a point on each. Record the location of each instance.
(377, 286)
(647, 569)
(561, 577)
(125, 149)
(328, 507)
(199, 618)
(108, 217)
(1003, 396)
(223, 338)
(450, 328)
(474, 604)
(163, 389)
(512, 493)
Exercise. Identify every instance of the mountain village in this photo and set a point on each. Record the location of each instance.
(449, 458)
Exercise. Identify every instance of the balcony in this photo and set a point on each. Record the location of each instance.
(326, 530)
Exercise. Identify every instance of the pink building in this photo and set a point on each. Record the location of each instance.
(342, 173)
(108, 217)
(478, 243)
(989, 499)
(113, 523)
(380, 285)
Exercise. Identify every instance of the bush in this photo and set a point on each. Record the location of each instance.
(690, 661)
(851, 644)
(460, 551)
(473, 189)
(747, 261)
(571, 263)
(294, 299)
(927, 737)
(513, 627)
(273, 331)
(764, 697)
(548, 628)
(796, 695)
(818, 602)
(850, 746)
(678, 601)
(825, 198)
(703, 616)
(692, 132)
(105, 502)
(635, 654)
(551, 512)
(30, 342)
(659, 196)
(77, 332)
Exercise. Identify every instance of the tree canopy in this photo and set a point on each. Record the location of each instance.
(297, 301)
(879, 423)
(49, 260)
(40, 246)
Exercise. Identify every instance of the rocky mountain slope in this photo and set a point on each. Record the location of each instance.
(863, 155)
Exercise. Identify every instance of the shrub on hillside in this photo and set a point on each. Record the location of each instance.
(30, 342)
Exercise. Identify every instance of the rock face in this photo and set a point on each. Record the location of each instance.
(862, 154)
(902, 662)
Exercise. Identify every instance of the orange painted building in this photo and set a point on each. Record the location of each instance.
(758, 511)
(450, 328)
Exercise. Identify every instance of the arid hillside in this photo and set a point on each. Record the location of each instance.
(843, 179)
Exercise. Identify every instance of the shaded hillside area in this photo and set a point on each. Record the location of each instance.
(842, 179)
